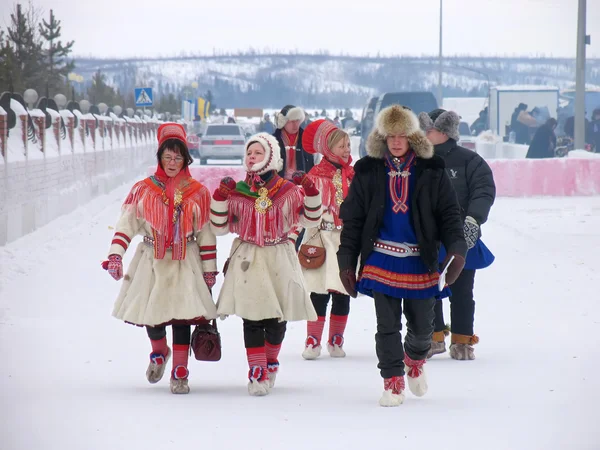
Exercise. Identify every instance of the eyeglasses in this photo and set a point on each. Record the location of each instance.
(169, 159)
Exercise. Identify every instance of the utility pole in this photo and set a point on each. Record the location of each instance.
(440, 95)
(580, 78)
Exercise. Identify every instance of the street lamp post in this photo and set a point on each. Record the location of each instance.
(580, 78)
(440, 95)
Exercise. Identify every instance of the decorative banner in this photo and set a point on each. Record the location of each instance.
(24, 130)
(71, 130)
(82, 129)
(56, 130)
(40, 128)
(3, 134)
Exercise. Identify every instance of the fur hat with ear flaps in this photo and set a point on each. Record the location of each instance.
(289, 112)
(446, 122)
(397, 120)
(272, 159)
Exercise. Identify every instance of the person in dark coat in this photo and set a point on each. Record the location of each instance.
(474, 184)
(400, 206)
(544, 141)
(289, 136)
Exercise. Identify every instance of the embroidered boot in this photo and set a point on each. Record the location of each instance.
(312, 345)
(158, 361)
(438, 342)
(415, 373)
(258, 374)
(259, 381)
(179, 380)
(461, 347)
(272, 353)
(393, 391)
(337, 326)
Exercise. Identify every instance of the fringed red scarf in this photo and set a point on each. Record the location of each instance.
(169, 205)
(333, 190)
(263, 228)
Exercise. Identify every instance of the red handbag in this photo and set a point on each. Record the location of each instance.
(206, 342)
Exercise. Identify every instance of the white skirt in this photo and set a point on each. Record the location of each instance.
(327, 277)
(265, 283)
(161, 291)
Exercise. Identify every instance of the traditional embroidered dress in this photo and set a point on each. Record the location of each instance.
(395, 267)
(264, 279)
(333, 181)
(164, 283)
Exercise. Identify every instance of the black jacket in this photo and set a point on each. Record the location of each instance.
(304, 161)
(472, 179)
(543, 143)
(434, 211)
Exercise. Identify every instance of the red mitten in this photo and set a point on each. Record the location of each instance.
(301, 179)
(456, 267)
(210, 278)
(225, 187)
(348, 278)
(114, 265)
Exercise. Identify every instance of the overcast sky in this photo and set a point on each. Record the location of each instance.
(476, 27)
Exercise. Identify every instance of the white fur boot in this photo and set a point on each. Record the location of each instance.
(258, 384)
(393, 393)
(312, 348)
(179, 380)
(415, 373)
(273, 370)
(156, 367)
(334, 346)
(335, 351)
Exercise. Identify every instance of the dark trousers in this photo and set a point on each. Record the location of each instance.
(256, 332)
(340, 305)
(388, 340)
(462, 306)
(181, 334)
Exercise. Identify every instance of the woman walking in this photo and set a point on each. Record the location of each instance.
(174, 268)
(263, 282)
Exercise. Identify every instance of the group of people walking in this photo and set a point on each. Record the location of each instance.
(393, 226)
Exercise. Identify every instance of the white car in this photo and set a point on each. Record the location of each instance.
(222, 141)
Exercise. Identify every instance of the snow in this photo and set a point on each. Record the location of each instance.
(525, 87)
(73, 377)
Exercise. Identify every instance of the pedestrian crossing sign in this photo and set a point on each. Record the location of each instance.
(143, 96)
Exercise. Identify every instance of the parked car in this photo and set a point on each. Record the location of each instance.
(416, 101)
(226, 141)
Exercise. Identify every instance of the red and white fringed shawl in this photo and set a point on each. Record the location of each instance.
(170, 205)
(273, 226)
(333, 183)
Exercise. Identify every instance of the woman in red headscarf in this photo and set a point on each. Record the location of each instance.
(332, 177)
(162, 287)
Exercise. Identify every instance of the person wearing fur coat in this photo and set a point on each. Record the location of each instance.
(170, 278)
(263, 282)
(400, 207)
(332, 176)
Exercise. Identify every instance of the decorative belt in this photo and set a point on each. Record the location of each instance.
(149, 241)
(329, 226)
(397, 249)
(268, 241)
